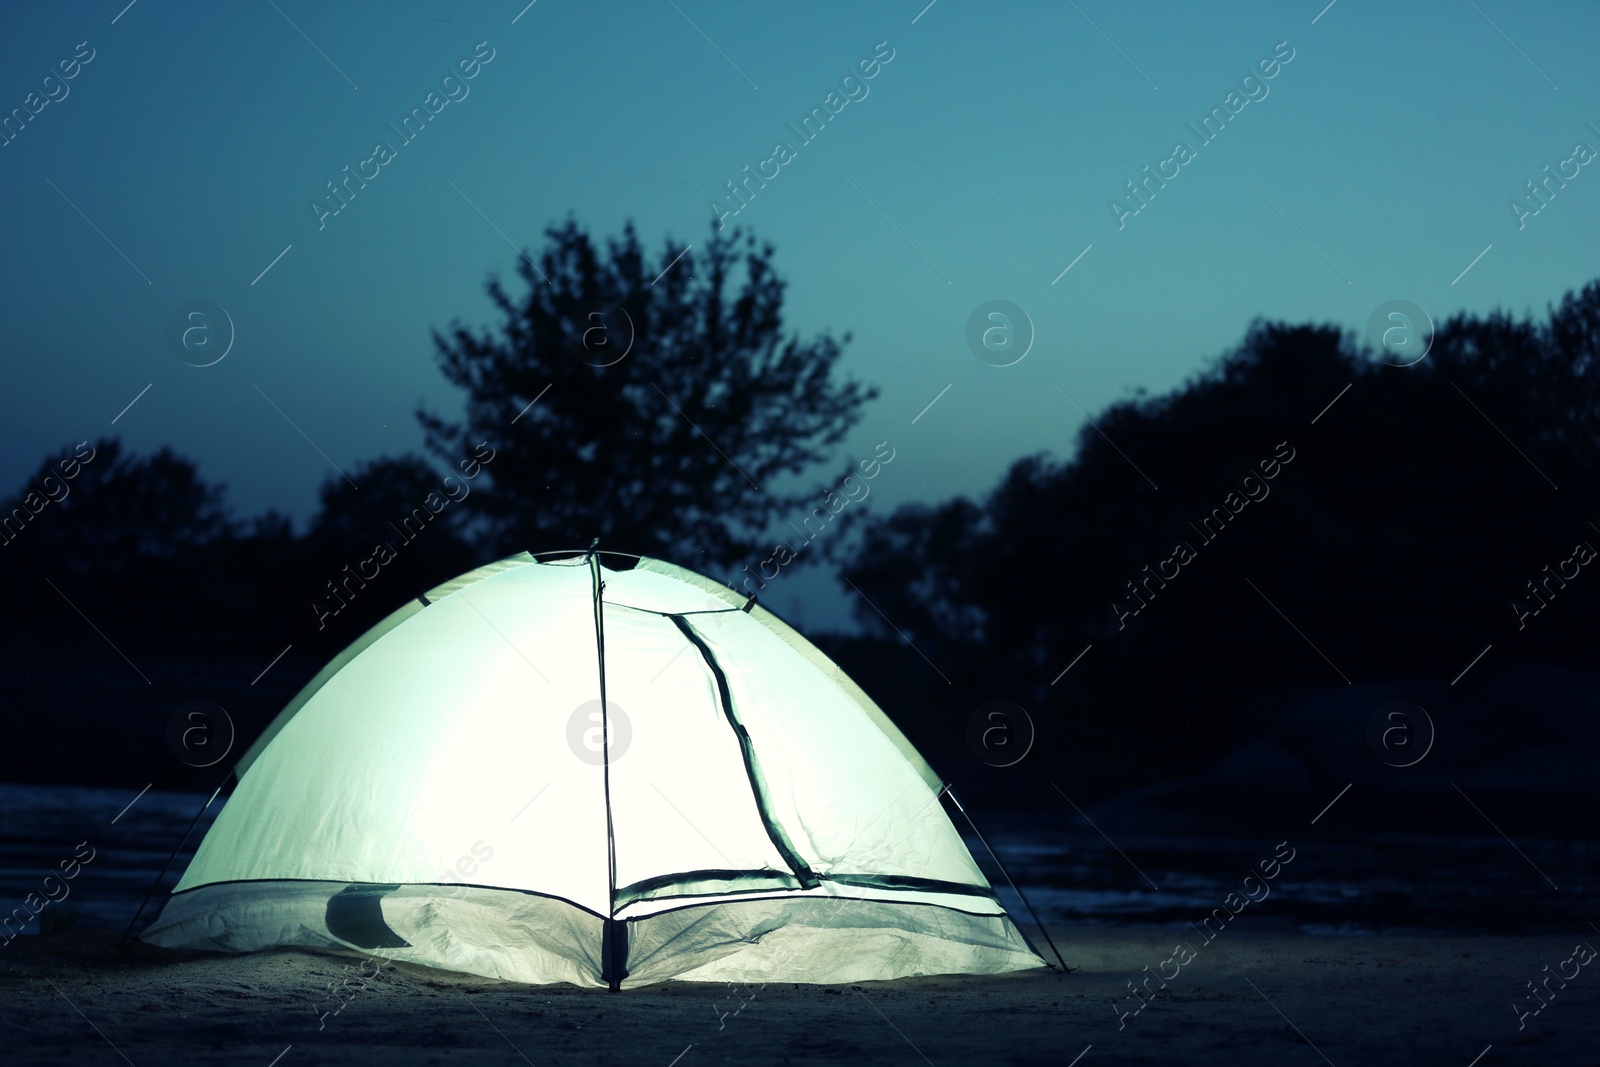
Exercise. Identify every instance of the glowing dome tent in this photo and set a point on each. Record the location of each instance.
(561, 771)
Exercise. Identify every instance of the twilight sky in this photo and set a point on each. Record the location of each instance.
(181, 159)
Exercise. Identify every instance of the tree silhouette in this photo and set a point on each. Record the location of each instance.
(651, 404)
(1417, 507)
(116, 509)
(399, 498)
(377, 547)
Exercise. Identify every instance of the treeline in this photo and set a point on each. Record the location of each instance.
(1301, 516)
(148, 552)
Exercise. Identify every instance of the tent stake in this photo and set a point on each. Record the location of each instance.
(167, 866)
(1014, 888)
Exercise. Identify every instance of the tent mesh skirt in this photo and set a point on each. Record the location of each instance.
(524, 937)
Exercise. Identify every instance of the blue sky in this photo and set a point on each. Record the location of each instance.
(183, 157)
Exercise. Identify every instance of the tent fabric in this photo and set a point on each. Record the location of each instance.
(452, 791)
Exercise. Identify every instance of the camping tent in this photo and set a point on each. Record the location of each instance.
(601, 774)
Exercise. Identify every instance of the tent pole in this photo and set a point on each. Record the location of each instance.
(1014, 888)
(168, 866)
(614, 934)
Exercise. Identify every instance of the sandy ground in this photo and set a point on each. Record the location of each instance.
(74, 998)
